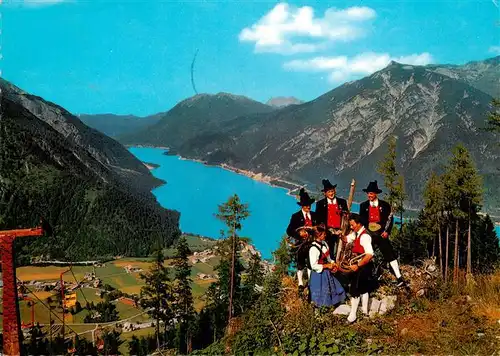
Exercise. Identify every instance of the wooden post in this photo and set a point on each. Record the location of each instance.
(11, 317)
(349, 204)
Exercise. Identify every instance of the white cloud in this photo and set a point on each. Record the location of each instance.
(494, 49)
(288, 29)
(341, 68)
(36, 3)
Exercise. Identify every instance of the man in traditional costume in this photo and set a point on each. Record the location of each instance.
(377, 217)
(324, 288)
(329, 211)
(360, 278)
(299, 228)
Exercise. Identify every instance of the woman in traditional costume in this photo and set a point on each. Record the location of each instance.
(324, 288)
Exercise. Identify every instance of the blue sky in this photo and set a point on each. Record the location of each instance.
(134, 57)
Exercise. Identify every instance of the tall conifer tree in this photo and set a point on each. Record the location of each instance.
(182, 306)
(156, 295)
(463, 191)
(232, 213)
(393, 181)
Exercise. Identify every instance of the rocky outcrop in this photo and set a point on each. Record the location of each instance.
(421, 281)
(282, 101)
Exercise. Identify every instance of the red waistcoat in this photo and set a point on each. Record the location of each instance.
(333, 216)
(356, 247)
(374, 214)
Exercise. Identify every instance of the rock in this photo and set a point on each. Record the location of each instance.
(374, 307)
(420, 292)
(343, 309)
(431, 268)
(404, 332)
(387, 304)
(480, 334)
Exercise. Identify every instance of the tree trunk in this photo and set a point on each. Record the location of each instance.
(447, 262)
(433, 247)
(50, 330)
(469, 245)
(158, 332)
(232, 277)
(440, 241)
(189, 343)
(455, 257)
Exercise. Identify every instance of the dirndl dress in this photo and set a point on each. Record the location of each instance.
(324, 288)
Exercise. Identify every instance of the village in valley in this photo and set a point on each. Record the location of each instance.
(117, 281)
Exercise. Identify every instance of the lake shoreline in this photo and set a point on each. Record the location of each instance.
(151, 166)
(258, 177)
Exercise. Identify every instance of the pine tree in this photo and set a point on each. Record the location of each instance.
(84, 347)
(218, 292)
(232, 213)
(182, 307)
(134, 346)
(112, 342)
(156, 295)
(393, 181)
(433, 210)
(486, 255)
(463, 192)
(494, 117)
(254, 277)
(36, 343)
(411, 241)
(282, 257)
(262, 324)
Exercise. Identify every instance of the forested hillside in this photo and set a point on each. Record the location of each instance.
(80, 181)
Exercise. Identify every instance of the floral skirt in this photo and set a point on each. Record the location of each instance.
(325, 289)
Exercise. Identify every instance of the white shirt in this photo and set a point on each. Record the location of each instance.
(306, 215)
(374, 203)
(365, 240)
(332, 201)
(314, 256)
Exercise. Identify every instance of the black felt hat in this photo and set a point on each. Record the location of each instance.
(305, 199)
(327, 185)
(372, 188)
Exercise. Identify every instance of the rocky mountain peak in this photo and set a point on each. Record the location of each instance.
(283, 101)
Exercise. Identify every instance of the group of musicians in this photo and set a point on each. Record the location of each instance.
(318, 234)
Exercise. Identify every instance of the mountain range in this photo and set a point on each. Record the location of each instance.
(117, 125)
(343, 133)
(91, 190)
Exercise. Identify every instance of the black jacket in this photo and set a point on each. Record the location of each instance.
(385, 211)
(297, 220)
(322, 209)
